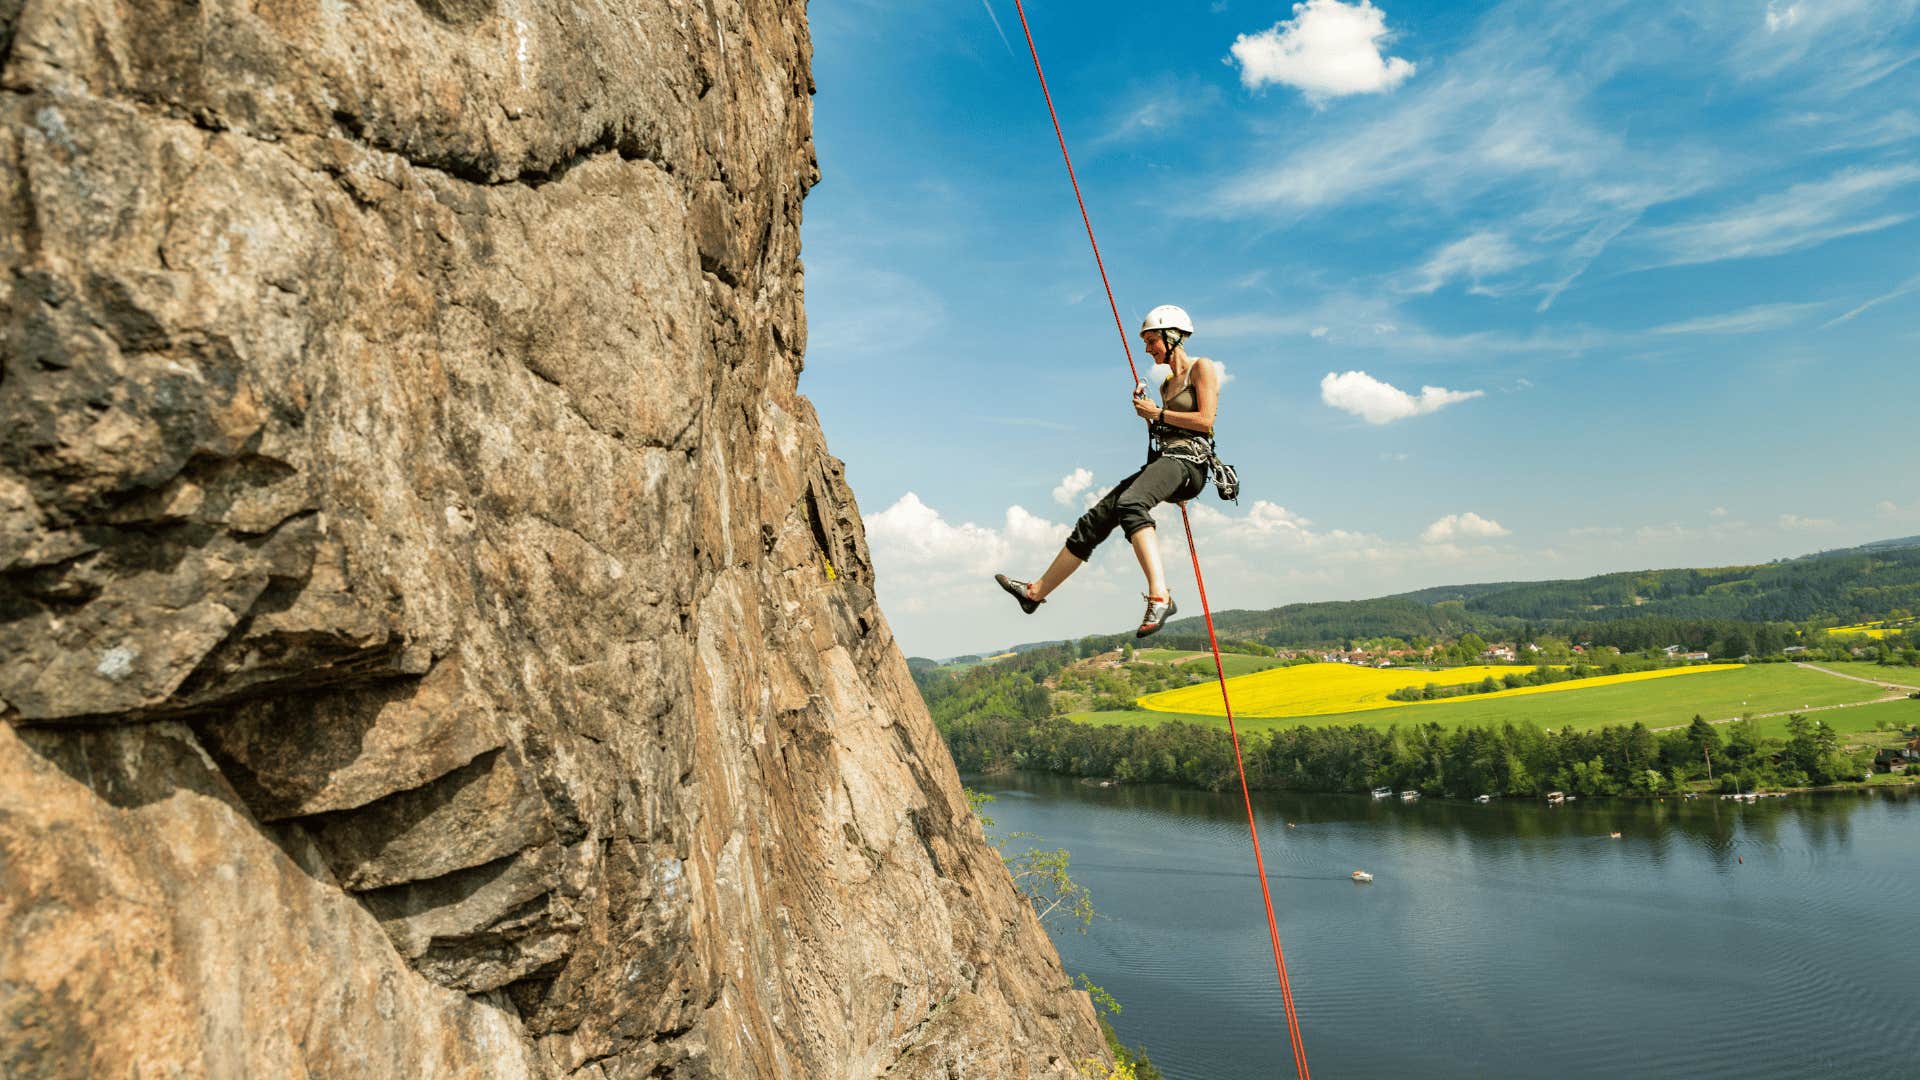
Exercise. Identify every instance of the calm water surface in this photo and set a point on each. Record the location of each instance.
(1710, 940)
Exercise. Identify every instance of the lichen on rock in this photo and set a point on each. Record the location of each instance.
(419, 652)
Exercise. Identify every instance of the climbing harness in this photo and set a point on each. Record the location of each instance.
(1273, 924)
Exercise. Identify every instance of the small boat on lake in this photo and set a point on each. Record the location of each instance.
(1383, 793)
(1555, 798)
(1409, 796)
(1483, 799)
(1362, 876)
(1613, 836)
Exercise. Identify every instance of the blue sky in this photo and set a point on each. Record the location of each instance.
(1659, 262)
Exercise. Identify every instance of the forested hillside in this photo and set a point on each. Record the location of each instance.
(1643, 607)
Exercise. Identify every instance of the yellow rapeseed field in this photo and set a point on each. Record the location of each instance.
(1867, 629)
(1328, 689)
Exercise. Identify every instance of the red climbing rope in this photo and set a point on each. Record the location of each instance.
(1273, 925)
(1266, 894)
(1125, 344)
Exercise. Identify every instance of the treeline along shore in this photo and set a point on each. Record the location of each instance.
(1001, 716)
(1508, 760)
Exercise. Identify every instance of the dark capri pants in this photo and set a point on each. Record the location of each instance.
(1130, 504)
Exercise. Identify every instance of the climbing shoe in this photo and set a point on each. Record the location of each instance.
(1159, 610)
(1019, 591)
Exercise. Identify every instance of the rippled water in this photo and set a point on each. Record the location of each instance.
(1712, 939)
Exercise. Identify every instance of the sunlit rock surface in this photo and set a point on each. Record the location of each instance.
(434, 638)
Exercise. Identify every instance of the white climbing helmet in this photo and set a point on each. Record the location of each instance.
(1168, 317)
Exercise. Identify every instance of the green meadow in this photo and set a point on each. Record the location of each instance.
(1902, 714)
(1891, 676)
(1719, 695)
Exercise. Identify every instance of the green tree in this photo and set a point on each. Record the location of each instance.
(1735, 645)
(1810, 745)
(1704, 742)
(1590, 778)
(1743, 739)
(1041, 876)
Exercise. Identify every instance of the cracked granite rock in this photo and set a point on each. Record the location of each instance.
(417, 650)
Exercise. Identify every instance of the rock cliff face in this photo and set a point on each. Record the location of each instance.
(434, 638)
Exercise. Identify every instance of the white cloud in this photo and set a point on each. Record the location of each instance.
(1795, 521)
(912, 534)
(1377, 402)
(1802, 216)
(1327, 50)
(1474, 257)
(1072, 486)
(1468, 526)
(1751, 320)
(1782, 16)
(1717, 512)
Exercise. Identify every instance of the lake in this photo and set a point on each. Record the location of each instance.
(1776, 939)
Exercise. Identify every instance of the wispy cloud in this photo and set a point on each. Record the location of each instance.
(1802, 216)
(1327, 50)
(1845, 44)
(1797, 522)
(988, 4)
(1378, 402)
(1375, 322)
(1508, 126)
(1751, 320)
(1158, 109)
(1475, 258)
(1906, 288)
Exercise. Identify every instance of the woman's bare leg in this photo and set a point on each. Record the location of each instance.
(1146, 547)
(1064, 564)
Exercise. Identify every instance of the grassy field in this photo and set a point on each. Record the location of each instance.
(1891, 676)
(1856, 720)
(1717, 695)
(1327, 689)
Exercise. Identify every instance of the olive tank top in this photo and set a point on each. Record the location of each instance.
(1179, 442)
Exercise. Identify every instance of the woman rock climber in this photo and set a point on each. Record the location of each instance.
(1176, 470)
